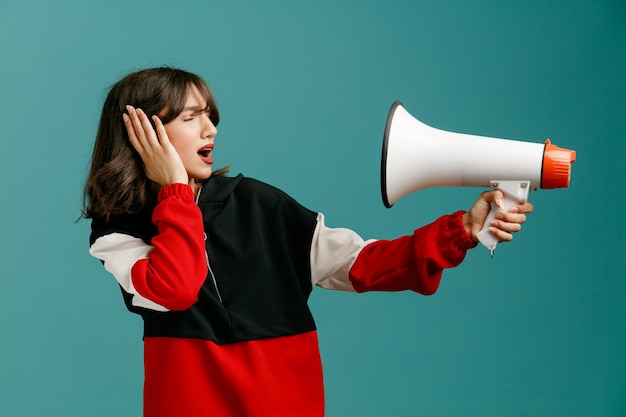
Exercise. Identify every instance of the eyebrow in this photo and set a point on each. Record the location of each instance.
(196, 109)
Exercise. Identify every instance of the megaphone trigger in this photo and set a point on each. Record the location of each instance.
(515, 192)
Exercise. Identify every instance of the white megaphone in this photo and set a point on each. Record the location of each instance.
(416, 156)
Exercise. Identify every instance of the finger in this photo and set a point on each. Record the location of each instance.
(160, 131)
(150, 135)
(493, 196)
(511, 217)
(509, 227)
(132, 136)
(522, 208)
(142, 135)
(133, 116)
(501, 234)
(498, 198)
(134, 119)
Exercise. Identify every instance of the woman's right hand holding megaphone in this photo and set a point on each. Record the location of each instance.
(504, 222)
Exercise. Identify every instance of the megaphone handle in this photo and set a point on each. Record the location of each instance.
(514, 192)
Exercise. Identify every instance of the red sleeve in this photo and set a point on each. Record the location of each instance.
(176, 267)
(413, 262)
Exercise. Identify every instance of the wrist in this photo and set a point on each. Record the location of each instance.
(467, 225)
(467, 238)
(177, 189)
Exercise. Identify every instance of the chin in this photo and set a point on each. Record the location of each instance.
(201, 178)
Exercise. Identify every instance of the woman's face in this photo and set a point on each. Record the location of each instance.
(192, 134)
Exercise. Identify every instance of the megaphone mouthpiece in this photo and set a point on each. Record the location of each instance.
(557, 166)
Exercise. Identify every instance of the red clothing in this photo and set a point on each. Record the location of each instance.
(278, 377)
(232, 335)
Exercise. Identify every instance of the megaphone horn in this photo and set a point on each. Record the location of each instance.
(416, 156)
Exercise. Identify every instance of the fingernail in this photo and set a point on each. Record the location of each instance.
(499, 202)
(125, 117)
(129, 108)
(514, 209)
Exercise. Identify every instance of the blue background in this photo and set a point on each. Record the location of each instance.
(304, 89)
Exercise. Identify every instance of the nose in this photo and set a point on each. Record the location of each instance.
(208, 128)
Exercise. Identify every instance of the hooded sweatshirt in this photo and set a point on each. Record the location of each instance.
(222, 283)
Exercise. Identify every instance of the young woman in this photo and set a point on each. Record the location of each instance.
(220, 268)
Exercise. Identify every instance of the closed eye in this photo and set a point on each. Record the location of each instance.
(193, 115)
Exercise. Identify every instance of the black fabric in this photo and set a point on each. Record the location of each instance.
(138, 225)
(258, 242)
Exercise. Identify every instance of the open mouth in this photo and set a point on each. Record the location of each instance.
(205, 151)
(205, 154)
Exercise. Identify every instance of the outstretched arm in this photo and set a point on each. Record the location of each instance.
(414, 262)
(341, 260)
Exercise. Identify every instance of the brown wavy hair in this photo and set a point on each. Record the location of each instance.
(117, 183)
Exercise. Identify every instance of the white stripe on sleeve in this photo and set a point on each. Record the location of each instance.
(333, 252)
(120, 252)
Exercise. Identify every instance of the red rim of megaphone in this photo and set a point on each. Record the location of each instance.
(557, 166)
